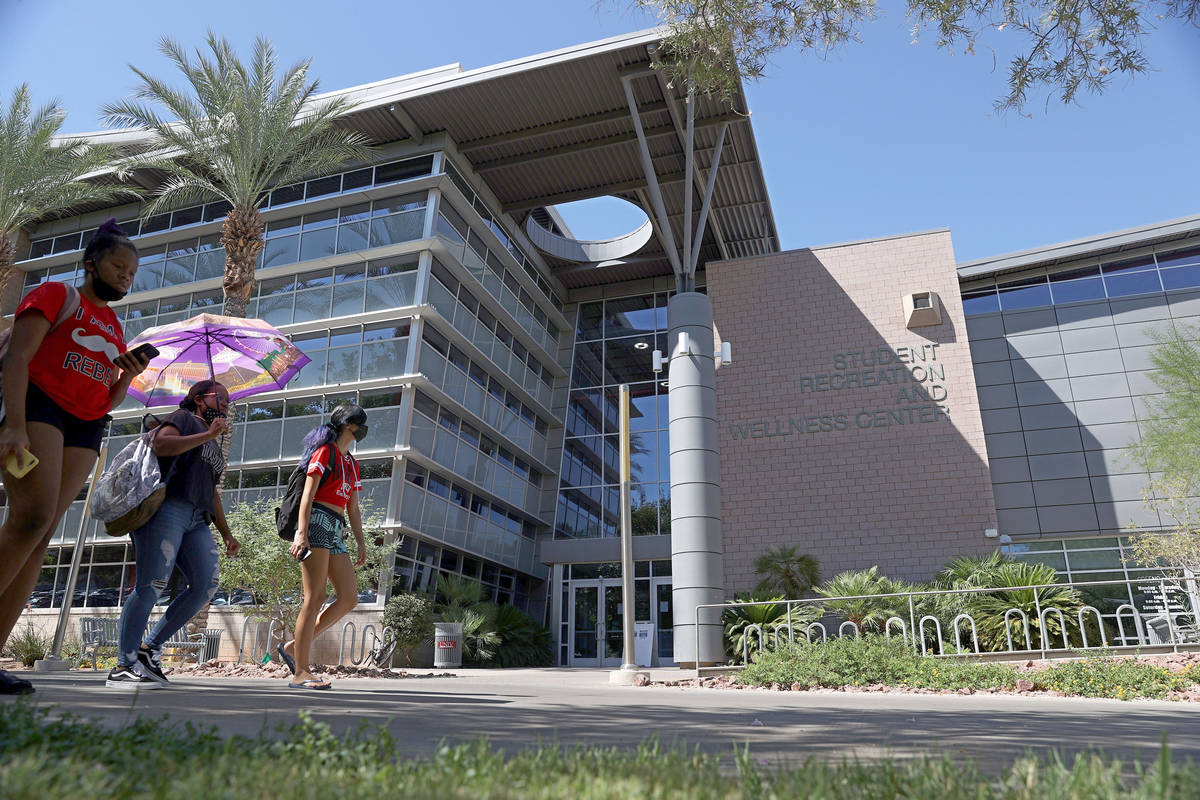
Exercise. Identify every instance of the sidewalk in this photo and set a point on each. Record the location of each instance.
(516, 708)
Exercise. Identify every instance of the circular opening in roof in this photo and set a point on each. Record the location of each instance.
(600, 218)
(597, 230)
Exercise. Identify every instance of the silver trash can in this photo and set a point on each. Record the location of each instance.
(447, 644)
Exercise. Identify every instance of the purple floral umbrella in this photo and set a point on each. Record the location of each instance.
(247, 355)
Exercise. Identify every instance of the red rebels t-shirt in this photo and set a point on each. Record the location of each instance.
(344, 481)
(74, 364)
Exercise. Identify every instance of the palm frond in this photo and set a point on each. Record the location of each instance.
(235, 128)
(41, 175)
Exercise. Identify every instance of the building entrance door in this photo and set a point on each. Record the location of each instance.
(595, 623)
(663, 622)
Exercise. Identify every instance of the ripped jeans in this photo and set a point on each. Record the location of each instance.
(179, 536)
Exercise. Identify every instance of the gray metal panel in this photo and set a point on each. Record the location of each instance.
(1037, 321)
(1142, 382)
(1114, 461)
(1001, 420)
(1097, 362)
(1185, 303)
(1005, 445)
(1061, 465)
(1108, 437)
(1099, 387)
(1036, 393)
(1080, 341)
(1062, 492)
(1013, 495)
(988, 350)
(1017, 521)
(1067, 518)
(1053, 415)
(993, 373)
(1054, 440)
(1083, 315)
(1004, 470)
(1109, 488)
(1041, 368)
(1144, 406)
(1032, 345)
(985, 326)
(1136, 334)
(1136, 358)
(1140, 309)
(1100, 412)
(996, 397)
(1118, 516)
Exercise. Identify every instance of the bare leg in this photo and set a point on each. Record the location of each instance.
(314, 572)
(341, 573)
(31, 521)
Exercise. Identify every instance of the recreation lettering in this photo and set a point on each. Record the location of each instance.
(913, 373)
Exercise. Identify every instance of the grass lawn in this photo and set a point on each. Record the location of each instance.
(42, 758)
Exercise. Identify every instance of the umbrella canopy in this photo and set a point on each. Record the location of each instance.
(247, 355)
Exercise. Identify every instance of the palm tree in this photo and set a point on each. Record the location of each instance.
(866, 613)
(787, 572)
(40, 175)
(237, 130)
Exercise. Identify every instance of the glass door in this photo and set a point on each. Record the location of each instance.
(585, 616)
(663, 622)
(595, 629)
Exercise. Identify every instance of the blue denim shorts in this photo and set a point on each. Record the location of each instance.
(325, 529)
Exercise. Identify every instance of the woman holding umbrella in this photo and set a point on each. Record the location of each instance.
(331, 488)
(178, 535)
(65, 368)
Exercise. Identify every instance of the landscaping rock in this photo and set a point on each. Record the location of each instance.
(1024, 685)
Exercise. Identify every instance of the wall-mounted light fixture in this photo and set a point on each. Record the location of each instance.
(922, 309)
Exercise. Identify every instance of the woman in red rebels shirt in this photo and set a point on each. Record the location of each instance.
(331, 488)
(59, 383)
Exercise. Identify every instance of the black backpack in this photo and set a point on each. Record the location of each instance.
(287, 513)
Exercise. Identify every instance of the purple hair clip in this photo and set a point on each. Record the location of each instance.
(110, 227)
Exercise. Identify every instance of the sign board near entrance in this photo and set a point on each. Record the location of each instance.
(643, 643)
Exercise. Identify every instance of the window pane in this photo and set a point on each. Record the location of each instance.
(1030, 296)
(318, 243)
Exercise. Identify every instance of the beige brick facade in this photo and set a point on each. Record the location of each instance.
(842, 431)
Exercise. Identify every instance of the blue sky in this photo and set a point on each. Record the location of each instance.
(883, 137)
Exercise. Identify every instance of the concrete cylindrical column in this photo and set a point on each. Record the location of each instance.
(697, 550)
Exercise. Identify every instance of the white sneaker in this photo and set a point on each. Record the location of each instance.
(130, 677)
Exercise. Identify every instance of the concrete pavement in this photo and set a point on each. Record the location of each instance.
(516, 708)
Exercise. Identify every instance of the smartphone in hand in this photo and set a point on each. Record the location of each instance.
(20, 467)
(147, 351)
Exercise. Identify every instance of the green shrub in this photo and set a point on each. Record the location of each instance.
(523, 642)
(868, 661)
(410, 616)
(771, 616)
(28, 645)
(1118, 678)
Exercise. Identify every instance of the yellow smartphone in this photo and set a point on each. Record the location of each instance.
(14, 466)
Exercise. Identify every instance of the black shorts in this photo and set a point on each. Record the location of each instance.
(86, 433)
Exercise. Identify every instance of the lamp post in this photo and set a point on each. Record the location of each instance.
(629, 671)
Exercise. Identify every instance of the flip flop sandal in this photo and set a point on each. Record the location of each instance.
(287, 660)
(311, 683)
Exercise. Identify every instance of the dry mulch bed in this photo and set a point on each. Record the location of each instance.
(228, 669)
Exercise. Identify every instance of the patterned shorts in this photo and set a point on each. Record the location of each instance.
(325, 530)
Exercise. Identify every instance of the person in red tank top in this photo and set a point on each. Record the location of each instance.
(331, 488)
(59, 383)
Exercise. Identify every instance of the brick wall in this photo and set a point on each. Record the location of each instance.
(892, 471)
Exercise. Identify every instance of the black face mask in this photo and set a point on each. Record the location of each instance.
(104, 290)
(361, 433)
(210, 414)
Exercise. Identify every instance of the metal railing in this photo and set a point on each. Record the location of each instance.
(1171, 624)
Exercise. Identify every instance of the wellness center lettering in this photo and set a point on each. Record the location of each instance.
(914, 376)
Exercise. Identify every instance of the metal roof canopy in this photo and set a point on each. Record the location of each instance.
(556, 128)
(1105, 244)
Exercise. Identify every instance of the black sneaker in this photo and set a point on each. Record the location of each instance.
(11, 684)
(130, 677)
(151, 664)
